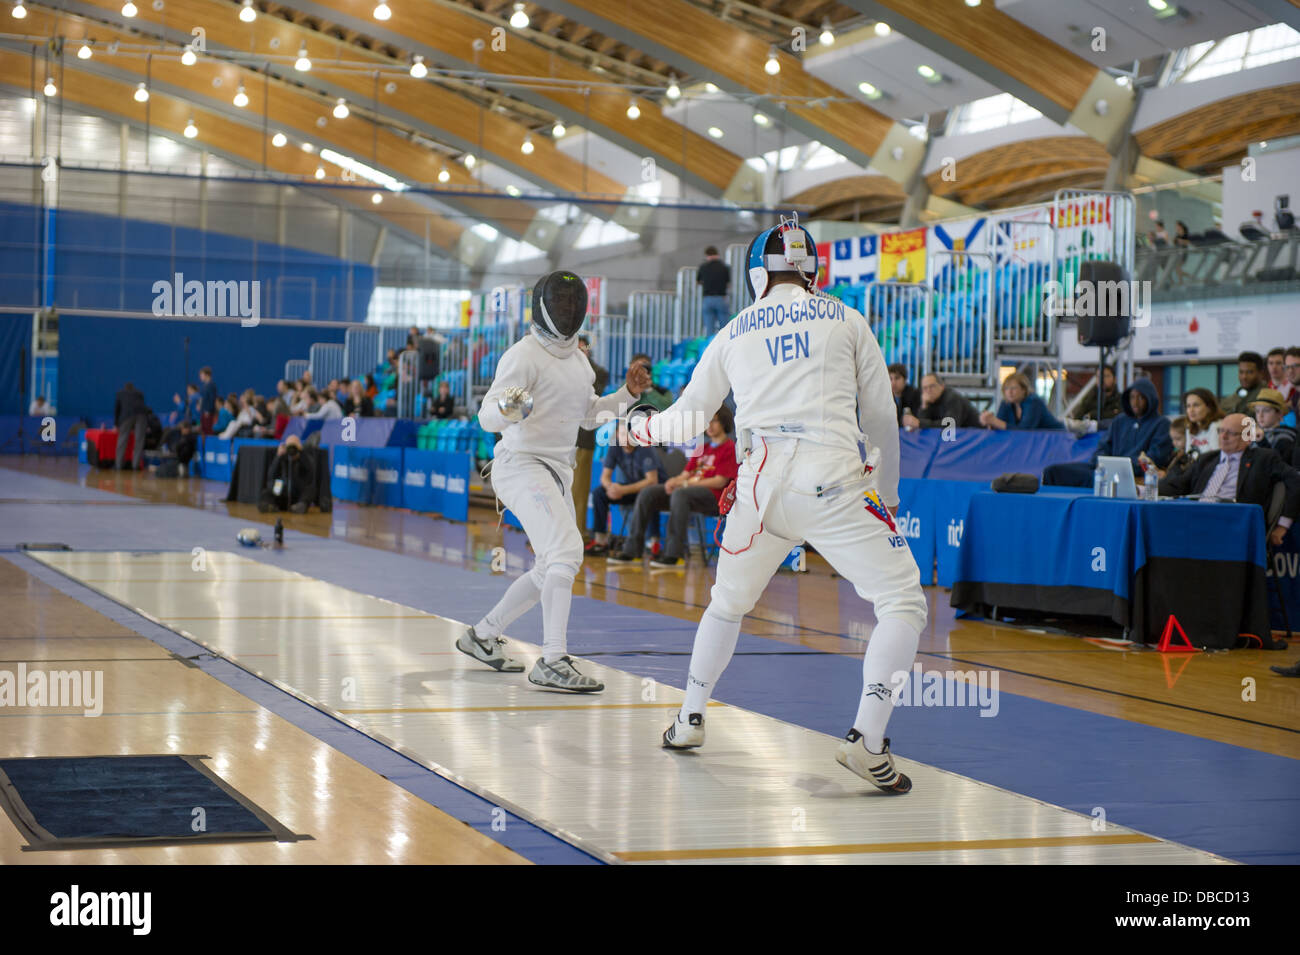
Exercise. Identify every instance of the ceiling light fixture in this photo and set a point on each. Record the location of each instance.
(558, 130)
(633, 111)
(376, 198)
(141, 94)
(19, 11)
(773, 65)
(827, 37)
(85, 52)
(241, 98)
(527, 147)
(674, 92)
(882, 28)
(341, 109)
(519, 19)
(382, 11)
(444, 175)
(50, 89)
(246, 11)
(320, 172)
(190, 129)
(279, 139)
(715, 132)
(302, 64)
(469, 160)
(188, 57)
(418, 69)
(129, 10)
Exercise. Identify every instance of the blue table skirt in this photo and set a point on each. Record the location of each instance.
(1065, 551)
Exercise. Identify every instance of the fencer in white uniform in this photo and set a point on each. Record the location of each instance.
(811, 388)
(542, 392)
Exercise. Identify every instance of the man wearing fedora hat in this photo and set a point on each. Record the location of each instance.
(1269, 407)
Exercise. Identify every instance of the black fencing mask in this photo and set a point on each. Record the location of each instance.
(560, 305)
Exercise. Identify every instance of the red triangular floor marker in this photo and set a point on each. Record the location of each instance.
(1166, 644)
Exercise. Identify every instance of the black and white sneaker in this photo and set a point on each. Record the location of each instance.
(488, 651)
(619, 557)
(878, 768)
(663, 563)
(688, 735)
(562, 675)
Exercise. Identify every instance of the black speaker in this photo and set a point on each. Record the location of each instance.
(430, 363)
(1101, 301)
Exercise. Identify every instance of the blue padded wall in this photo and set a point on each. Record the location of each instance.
(97, 354)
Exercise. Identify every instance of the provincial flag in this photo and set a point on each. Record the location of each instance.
(854, 261)
(902, 256)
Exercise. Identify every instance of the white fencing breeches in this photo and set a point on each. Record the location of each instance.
(539, 495)
(777, 508)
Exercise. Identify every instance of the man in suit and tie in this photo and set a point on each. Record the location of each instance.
(1242, 472)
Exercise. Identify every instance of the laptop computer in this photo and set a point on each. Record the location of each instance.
(1121, 468)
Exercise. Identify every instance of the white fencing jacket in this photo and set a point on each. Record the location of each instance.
(562, 383)
(801, 365)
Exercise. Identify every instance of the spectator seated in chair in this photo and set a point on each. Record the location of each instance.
(1021, 409)
(943, 407)
(291, 481)
(1139, 429)
(182, 441)
(1242, 472)
(639, 470)
(907, 400)
(697, 489)
(1252, 375)
(1181, 460)
(1270, 408)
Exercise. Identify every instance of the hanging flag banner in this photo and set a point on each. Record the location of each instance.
(963, 235)
(595, 294)
(902, 256)
(823, 264)
(853, 261)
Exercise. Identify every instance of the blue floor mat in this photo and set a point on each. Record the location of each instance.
(96, 801)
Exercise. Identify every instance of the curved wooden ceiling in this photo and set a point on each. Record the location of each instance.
(1020, 172)
(1217, 134)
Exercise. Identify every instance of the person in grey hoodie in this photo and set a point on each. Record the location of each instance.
(1141, 428)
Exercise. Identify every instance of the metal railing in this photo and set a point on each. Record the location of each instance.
(326, 362)
(738, 297)
(688, 320)
(899, 316)
(961, 326)
(651, 315)
(360, 351)
(408, 385)
(611, 344)
(1022, 253)
(295, 368)
(1190, 271)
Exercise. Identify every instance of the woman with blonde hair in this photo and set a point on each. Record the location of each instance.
(1021, 409)
(1203, 416)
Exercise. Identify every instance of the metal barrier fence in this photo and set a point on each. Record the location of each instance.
(360, 351)
(899, 316)
(326, 362)
(1089, 225)
(409, 404)
(391, 337)
(611, 344)
(961, 335)
(689, 313)
(651, 316)
(738, 297)
(295, 368)
(1022, 251)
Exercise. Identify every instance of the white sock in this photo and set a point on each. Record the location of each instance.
(557, 595)
(891, 650)
(715, 642)
(519, 598)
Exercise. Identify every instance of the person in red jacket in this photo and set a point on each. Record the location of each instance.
(698, 489)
